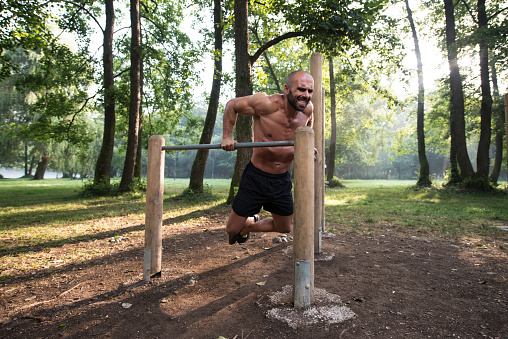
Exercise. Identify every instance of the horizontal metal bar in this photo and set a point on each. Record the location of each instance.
(237, 145)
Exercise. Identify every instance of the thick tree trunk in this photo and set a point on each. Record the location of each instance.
(499, 130)
(333, 136)
(482, 156)
(457, 95)
(41, 167)
(424, 176)
(103, 165)
(135, 100)
(199, 165)
(243, 87)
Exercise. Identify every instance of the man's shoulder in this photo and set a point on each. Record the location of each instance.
(264, 103)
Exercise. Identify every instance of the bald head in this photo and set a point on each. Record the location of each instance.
(296, 75)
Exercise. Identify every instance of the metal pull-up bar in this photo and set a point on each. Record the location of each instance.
(237, 145)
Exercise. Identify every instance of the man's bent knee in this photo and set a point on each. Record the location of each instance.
(235, 223)
(282, 224)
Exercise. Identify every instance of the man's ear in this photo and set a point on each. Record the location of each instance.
(286, 89)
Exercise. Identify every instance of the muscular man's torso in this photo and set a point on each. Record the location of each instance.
(276, 126)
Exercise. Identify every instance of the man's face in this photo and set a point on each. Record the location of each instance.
(299, 92)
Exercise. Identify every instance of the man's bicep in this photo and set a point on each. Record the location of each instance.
(243, 106)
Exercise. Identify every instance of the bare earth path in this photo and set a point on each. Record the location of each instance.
(397, 285)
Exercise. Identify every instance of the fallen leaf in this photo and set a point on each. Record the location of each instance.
(126, 305)
(261, 283)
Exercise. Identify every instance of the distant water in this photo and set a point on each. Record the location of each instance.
(15, 173)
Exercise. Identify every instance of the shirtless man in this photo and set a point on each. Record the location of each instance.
(265, 181)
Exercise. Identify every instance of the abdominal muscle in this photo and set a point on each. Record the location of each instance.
(275, 160)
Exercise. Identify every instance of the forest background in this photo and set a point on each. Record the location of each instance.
(85, 83)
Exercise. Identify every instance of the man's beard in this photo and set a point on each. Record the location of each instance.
(293, 101)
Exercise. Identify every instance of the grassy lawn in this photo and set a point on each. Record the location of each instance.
(37, 216)
(365, 206)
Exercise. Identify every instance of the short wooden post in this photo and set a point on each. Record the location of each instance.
(303, 245)
(506, 125)
(152, 261)
(319, 165)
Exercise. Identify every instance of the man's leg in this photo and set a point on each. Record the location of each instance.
(237, 223)
(275, 223)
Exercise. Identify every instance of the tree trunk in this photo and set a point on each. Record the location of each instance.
(199, 165)
(26, 158)
(31, 168)
(424, 176)
(103, 165)
(482, 156)
(333, 136)
(41, 167)
(135, 100)
(499, 130)
(243, 87)
(138, 168)
(457, 95)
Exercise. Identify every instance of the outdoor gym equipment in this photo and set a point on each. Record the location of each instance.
(308, 191)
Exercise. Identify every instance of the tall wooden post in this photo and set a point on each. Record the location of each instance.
(303, 245)
(506, 125)
(316, 62)
(152, 261)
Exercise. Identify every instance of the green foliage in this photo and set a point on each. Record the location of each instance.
(191, 196)
(477, 184)
(335, 182)
(98, 190)
(23, 24)
(60, 85)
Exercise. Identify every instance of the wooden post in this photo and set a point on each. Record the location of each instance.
(319, 165)
(303, 245)
(506, 125)
(152, 261)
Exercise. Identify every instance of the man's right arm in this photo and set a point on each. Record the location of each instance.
(258, 103)
(228, 123)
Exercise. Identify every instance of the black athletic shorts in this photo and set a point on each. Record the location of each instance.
(261, 189)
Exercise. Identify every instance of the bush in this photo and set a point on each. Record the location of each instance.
(335, 182)
(477, 184)
(189, 195)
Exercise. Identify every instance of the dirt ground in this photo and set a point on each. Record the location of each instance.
(397, 285)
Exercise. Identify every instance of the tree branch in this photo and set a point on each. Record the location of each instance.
(275, 41)
(122, 72)
(497, 13)
(470, 11)
(83, 8)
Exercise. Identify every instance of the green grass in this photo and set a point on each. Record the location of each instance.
(365, 206)
(38, 216)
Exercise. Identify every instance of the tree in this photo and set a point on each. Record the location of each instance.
(135, 99)
(499, 119)
(59, 88)
(22, 25)
(102, 166)
(424, 176)
(333, 120)
(199, 164)
(458, 146)
(325, 25)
